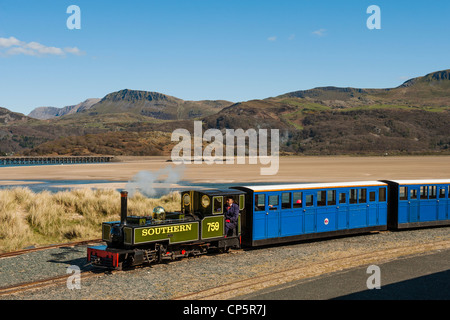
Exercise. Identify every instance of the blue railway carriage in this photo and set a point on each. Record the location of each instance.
(418, 203)
(284, 213)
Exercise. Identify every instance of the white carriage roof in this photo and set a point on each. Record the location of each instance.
(429, 181)
(306, 186)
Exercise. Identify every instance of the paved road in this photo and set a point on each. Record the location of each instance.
(424, 277)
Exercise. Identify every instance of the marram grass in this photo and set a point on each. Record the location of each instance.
(33, 219)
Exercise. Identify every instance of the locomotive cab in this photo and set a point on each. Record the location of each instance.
(212, 202)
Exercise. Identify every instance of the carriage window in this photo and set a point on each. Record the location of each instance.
(382, 195)
(353, 196)
(423, 192)
(372, 196)
(286, 200)
(309, 200)
(218, 205)
(363, 196)
(403, 193)
(331, 197)
(321, 198)
(433, 191)
(413, 194)
(273, 202)
(442, 193)
(260, 202)
(297, 199)
(342, 198)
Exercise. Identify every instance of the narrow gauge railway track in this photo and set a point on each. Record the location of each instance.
(249, 285)
(246, 286)
(39, 284)
(54, 246)
(61, 279)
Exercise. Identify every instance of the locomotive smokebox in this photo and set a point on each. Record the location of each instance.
(123, 207)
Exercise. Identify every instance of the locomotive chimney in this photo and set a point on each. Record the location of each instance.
(123, 207)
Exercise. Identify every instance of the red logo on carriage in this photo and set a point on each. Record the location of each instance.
(326, 221)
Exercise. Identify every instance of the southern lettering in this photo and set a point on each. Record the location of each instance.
(166, 229)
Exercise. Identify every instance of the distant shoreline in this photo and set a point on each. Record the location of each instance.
(291, 169)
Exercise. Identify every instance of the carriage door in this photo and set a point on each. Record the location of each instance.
(259, 217)
(372, 207)
(310, 211)
(413, 204)
(342, 209)
(266, 216)
(442, 203)
(273, 215)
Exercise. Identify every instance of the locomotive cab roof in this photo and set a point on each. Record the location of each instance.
(221, 192)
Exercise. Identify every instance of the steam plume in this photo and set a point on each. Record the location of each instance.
(152, 184)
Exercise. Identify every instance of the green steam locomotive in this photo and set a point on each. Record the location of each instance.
(197, 229)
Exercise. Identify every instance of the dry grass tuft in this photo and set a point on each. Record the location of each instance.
(28, 218)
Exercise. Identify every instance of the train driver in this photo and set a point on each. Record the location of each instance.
(231, 216)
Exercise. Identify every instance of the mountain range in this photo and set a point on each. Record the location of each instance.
(413, 118)
(45, 113)
(151, 104)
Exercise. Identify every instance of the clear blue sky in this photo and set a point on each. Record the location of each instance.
(212, 49)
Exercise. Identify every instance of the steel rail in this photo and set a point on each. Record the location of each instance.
(53, 246)
(26, 286)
